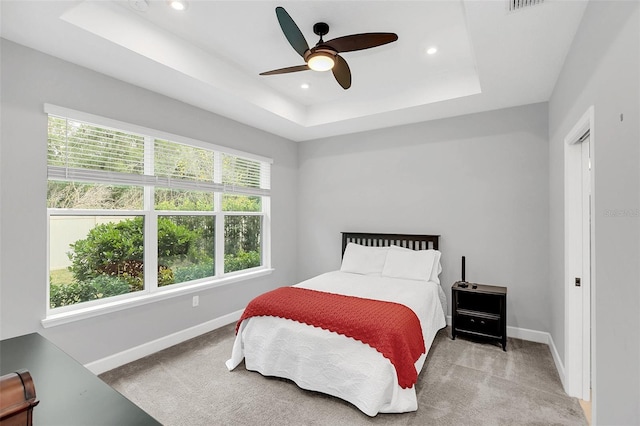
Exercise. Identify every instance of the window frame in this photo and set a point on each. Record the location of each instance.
(151, 292)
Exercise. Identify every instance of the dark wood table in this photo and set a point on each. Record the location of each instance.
(479, 310)
(69, 394)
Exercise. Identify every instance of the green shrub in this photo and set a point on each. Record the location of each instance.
(106, 248)
(174, 240)
(193, 272)
(117, 249)
(96, 288)
(106, 286)
(109, 261)
(165, 276)
(241, 260)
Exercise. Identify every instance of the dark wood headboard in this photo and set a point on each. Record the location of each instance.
(414, 242)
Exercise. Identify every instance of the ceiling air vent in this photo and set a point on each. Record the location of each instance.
(522, 4)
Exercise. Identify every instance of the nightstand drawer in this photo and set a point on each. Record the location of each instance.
(478, 323)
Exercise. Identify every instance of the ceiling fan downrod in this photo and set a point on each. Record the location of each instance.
(321, 29)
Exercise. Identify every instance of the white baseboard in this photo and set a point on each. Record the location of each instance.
(129, 355)
(557, 360)
(527, 334)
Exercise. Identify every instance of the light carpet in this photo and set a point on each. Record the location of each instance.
(463, 382)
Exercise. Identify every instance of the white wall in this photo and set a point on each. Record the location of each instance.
(29, 79)
(602, 69)
(480, 181)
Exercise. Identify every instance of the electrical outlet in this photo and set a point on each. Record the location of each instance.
(196, 301)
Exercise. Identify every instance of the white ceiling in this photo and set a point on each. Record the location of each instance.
(211, 54)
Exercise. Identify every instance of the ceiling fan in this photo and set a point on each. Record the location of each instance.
(324, 55)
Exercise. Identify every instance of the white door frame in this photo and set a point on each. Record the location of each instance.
(579, 253)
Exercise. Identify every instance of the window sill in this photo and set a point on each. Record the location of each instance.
(108, 307)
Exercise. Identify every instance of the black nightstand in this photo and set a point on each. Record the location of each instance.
(480, 310)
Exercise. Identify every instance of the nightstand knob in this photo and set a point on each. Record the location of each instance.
(482, 322)
(472, 320)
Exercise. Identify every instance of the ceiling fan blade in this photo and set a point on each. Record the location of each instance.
(286, 70)
(291, 31)
(360, 41)
(342, 73)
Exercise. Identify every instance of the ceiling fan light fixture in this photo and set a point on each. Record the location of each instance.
(321, 61)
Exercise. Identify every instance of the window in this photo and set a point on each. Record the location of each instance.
(135, 212)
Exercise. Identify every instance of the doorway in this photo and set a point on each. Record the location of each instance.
(579, 250)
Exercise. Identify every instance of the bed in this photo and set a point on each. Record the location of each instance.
(395, 271)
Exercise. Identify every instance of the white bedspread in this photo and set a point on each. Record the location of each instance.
(324, 361)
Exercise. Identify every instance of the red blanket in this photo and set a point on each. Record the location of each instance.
(390, 328)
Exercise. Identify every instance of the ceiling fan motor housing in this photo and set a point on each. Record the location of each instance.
(321, 28)
(324, 50)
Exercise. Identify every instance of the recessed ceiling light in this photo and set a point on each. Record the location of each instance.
(178, 4)
(304, 86)
(432, 50)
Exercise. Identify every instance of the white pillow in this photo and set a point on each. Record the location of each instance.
(437, 267)
(411, 264)
(364, 260)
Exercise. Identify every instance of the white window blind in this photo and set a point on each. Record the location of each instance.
(86, 152)
(182, 166)
(78, 145)
(245, 176)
